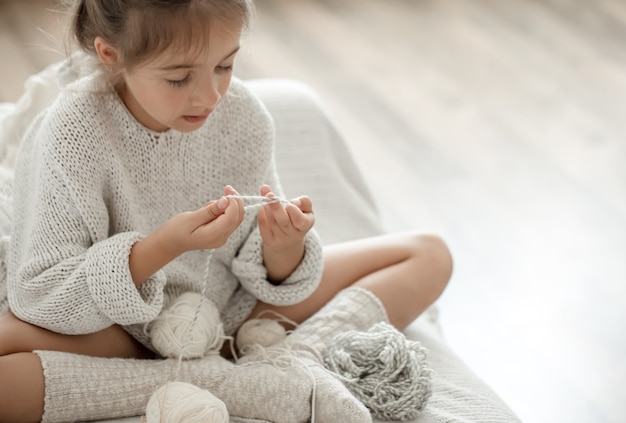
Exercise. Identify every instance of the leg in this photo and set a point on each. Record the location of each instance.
(22, 388)
(81, 388)
(406, 272)
(18, 336)
(364, 282)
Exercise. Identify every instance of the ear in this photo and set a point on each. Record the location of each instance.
(106, 52)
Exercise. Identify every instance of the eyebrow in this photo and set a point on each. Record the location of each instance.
(191, 65)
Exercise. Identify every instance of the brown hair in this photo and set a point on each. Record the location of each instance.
(142, 29)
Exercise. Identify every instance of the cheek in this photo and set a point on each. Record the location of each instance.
(166, 101)
(171, 98)
(224, 84)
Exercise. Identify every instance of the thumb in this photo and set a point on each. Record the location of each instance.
(213, 210)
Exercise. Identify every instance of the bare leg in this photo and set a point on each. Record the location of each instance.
(22, 388)
(406, 272)
(18, 336)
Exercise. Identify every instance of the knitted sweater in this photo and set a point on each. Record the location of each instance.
(91, 181)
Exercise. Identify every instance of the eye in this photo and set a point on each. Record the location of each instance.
(178, 82)
(224, 68)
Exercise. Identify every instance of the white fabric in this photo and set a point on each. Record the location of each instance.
(313, 159)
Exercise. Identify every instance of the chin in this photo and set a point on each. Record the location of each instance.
(183, 125)
(186, 128)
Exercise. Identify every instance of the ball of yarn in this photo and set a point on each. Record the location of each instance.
(383, 369)
(261, 332)
(191, 327)
(179, 402)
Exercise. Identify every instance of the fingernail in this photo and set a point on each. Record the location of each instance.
(222, 203)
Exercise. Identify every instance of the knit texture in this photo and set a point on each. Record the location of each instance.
(91, 181)
(80, 388)
(353, 308)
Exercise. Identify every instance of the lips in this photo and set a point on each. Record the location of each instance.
(195, 118)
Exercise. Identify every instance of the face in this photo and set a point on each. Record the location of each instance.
(180, 91)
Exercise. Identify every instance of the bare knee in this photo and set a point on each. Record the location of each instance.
(433, 255)
(12, 333)
(22, 388)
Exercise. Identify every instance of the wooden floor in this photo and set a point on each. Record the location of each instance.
(498, 124)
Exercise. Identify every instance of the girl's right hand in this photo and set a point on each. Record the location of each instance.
(206, 228)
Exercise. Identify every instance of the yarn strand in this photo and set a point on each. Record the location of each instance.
(256, 201)
(195, 317)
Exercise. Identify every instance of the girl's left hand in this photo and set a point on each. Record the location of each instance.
(283, 226)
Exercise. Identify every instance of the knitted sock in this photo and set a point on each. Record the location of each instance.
(351, 309)
(88, 388)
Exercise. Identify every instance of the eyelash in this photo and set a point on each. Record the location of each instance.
(178, 83)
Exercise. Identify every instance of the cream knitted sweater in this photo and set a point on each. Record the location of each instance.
(91, 181)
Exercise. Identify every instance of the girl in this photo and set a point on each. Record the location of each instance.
(113, 223)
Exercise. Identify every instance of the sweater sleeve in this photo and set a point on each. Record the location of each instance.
(248, 265)
(249, 269)
(66, 273)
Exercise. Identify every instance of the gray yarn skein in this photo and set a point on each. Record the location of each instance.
(383, 369)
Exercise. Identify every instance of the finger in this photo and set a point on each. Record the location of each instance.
(235, 209)
(213, 209)
(279, 218)
(304, 203)
(299, 220)
(266, 213)
(229, 190)
(269, 230)
(241, 209)
(276, 205)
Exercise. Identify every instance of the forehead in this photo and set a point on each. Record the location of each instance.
(210, 47)
(182, 36)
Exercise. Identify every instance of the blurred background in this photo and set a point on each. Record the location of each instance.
(499, 125)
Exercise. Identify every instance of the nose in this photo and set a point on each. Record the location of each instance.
(207, 94)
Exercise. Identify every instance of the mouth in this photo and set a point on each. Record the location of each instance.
(195, 118)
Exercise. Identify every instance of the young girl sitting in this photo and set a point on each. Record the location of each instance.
(129, 183)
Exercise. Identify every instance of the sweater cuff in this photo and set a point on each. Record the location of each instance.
(111, 284)
(252, 274)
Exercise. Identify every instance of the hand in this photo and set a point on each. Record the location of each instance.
(284, 226)
(206, 228)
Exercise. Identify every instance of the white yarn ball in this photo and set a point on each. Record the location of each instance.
(263, 332)
(175, 333)
(180, 402)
